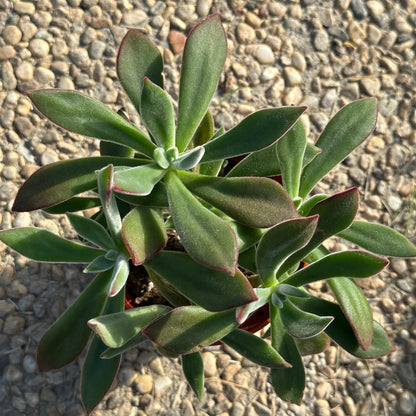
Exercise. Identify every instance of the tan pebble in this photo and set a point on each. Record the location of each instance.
(39, 47)
(293, 97)
(375, 8)
(7, 52)
(245, 34)
(245, 109)
(12, 34)
(323, 390)
(356, 32)
(292, 76)
(349, 405)
(168, 56)
(24, 7)
(177, 41)
(331, 355)
(253, 20)
(322, 408)
(144, 383)
(210, 364)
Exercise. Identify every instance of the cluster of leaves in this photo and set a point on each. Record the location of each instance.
(171, 176)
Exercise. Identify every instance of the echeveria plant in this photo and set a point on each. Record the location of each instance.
(243, 243)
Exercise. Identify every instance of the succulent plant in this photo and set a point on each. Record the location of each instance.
(246, 242)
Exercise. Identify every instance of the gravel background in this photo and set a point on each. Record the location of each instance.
(319, 53)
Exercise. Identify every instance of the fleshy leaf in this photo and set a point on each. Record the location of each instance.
(99, 264)
(60, 181)
(189, 328)
(157, 199)
(201, 285)
(84, 115)
(203, 60)
(120, 274)
(157, 114)
(247, 259)
(212, 168)
(255, 349)
(379, 239)
(301, 324)
(68, 336)
(215, 245)
(246, 236)
(144, 233)
(138, 58)
(76, 203)
(356, 309)
(139, 180)
(205, 130)
(291, 291)
(314, 345)
(336, 213)
(42, 245)
(97, 374)
(342, 333)
(255, 202)
(279, 243)
(307, 205)
(288, 383)
(344, 132)
(263, 295)
(193, 369)
(290, 151)
(92, 231)
(352, 263)
(255, 132)
(132, 343)
(189, 159)
(118, 328)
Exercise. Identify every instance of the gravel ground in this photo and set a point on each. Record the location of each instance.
(323, 54)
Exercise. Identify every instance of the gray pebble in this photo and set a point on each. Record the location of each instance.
(134, 17)
(39, 47)
(96, 50)
(264, 54)
(29, 364)
(13, 324)
(321, 41)
(359, 9)
(203, 7)
(406, 404)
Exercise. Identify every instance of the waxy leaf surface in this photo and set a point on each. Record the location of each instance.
(120, 275)
(68, 336)
(290, 151)
(193, 369)
(341, 332)
(263, 294)
(255, 349)
(139, 180)
(118, 328)
(314, 345)
(138, 58)
(144, 233)
(379, 239)
(255, 202)
(255, 132)
(77, 203)
(84, 115)
(157, 114)
(345, 131)
(203, 60)
(279, 243)
(288, 383)
(189, 328)
(60, 181)
(98, 375)
(208, 239)
(203, 286)
(352, 263)
(42, 245)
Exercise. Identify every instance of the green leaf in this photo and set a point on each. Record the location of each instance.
(336, 213)
(352, 263)
(68, 336)
(139, 180)
(204, 131)
(246, 236)
(143, 233)
(74, 204)
(314, 345)
(341, 332)
(307, 205)
(291, 291)
(105, 182)
(60, 181)
(189, 328)
(255, 202)
(279, 243)
(263, 294)
(132, 343)
(114, 149)
(157, 114)
(247, 259)
(212, 168)
(92, 231)
(203, 60)
(189, 159)
(157, 199)
(345, 131)
(288, 383)
(97, 374)
(41, 245)
(138, 58)
(193, 369)
(215, 245)
(117, 329)
(301, 324)
(379, 239)
(255, 349)
(84, 115)
(203, 286)
(99, 264)
(255, 132)
(120, 275)
(290, 151)
(356, 309)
